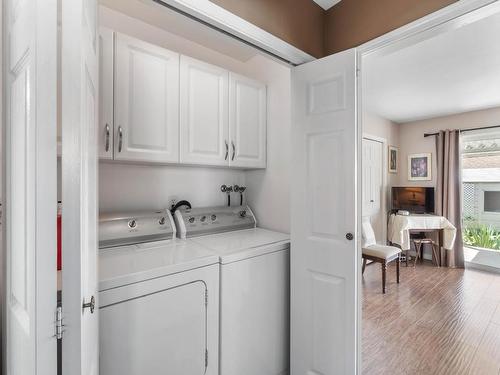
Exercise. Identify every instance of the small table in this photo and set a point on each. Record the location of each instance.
(400, 226)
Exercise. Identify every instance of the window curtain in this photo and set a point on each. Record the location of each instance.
(449, 191)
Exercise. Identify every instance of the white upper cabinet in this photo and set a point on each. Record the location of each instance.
(203, 113)
(159, 107)
(146, 78)
(247, 119)
(105, 128)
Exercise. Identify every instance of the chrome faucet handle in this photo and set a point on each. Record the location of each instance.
(226, 189)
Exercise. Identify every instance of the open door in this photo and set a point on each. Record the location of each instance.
(30, 201)
(324, 261)
(79, 63)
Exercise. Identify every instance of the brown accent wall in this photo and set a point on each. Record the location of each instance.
(298, 22)
(351, 23)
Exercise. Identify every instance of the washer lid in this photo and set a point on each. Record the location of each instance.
(243, 244)
(119, 266)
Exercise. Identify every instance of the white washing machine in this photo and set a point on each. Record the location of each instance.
(254, 287)
(158, 299)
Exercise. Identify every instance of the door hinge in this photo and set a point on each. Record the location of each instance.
(357, 72)
(206, 297)
(59, 326)
(206, 358)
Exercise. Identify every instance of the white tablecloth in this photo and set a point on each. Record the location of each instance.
(400, 226)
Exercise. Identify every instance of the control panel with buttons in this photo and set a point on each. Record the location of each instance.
(135, 227)
(193, 222)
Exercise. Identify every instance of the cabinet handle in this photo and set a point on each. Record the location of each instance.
(234, 150)
(120, 138)
(106, 139)
(227, 150)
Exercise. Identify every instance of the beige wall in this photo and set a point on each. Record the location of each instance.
(351, 23)
(320, 33)
(298, 22)
(412, 139)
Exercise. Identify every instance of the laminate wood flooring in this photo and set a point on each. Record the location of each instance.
(436, 321)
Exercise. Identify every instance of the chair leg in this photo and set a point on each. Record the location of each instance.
(436, 255)
(406, 257)
(397, 268)
(384, 272)
(417, 253)
(364, 266)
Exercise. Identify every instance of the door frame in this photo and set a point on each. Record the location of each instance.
(383, 200)
(446, 19)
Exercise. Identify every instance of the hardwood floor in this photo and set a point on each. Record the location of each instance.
(436, 321)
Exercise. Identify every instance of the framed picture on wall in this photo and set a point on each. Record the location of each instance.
(419, 167)
(393, 159)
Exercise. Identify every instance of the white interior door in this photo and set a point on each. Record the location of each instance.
(30, 62)
(79, 185)
(372, 176)
(324, 261)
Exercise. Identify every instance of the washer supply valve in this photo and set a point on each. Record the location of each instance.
(227, 189)
(240, 189)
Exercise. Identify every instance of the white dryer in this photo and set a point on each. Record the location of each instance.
(158, 299)
(254, 287)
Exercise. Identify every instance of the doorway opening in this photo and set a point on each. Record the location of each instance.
(420, 94)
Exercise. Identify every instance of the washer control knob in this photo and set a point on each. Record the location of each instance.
(191, 219)
(132, 224)
(243, 213)
(162, 221)
(213, 217)
(203, 218)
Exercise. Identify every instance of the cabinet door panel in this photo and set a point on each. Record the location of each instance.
(247, 118)
(146, 102)
(204, 113)
(105, 129)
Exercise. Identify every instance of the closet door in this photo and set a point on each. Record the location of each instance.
(203, 113)
(372, 177)
(247, 119)
(146, 102)
(105, 129)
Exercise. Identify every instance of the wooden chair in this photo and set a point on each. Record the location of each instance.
(419, 242)
(378, 253)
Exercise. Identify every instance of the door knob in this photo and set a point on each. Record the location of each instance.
(349, 236)
(89, 305)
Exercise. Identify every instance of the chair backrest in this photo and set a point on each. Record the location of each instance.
(368, 233)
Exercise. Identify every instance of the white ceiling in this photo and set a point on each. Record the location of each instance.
(454, 72)
(326, 4)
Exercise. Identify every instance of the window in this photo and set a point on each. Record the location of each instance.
(491, 201)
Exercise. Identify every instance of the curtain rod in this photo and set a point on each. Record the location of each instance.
(466, 130)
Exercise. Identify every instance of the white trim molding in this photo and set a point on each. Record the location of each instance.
(226, 21)
(448, 18)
